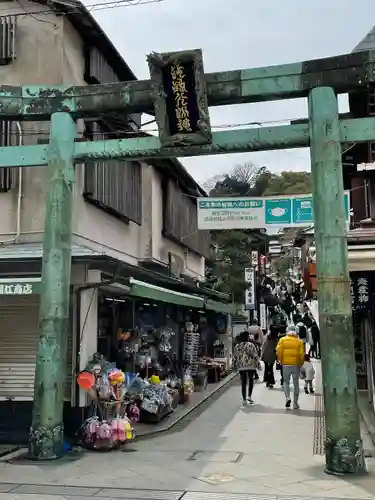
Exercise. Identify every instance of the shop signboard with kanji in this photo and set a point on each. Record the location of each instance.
(21, 286)
(362, 289)
(250, 299)
(180, 98)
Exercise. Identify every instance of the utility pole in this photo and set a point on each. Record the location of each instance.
(47, 431)
(343, 446)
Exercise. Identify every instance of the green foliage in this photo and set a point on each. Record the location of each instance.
(281, 265)
(289, 183)
(233, 247)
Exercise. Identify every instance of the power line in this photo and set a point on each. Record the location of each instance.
(90, 8)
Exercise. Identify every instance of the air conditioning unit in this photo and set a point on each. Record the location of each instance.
(177, 264)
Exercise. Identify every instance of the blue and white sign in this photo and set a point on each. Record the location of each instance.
(278, 211)
(258, 213)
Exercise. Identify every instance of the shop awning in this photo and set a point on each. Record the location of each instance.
(214, 305)
(153, 292)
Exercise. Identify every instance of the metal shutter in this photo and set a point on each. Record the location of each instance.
(18, 346)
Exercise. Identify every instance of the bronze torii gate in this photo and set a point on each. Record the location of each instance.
(179, 93)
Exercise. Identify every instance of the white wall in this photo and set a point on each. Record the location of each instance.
(57, 58)
(193, 265)
(34, 65)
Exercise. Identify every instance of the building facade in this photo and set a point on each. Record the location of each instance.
(134, 224)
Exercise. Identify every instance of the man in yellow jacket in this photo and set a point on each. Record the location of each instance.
(290, 352)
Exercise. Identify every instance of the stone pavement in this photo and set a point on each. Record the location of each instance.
(260, 451)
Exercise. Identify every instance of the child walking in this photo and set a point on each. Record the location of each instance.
(308, 374)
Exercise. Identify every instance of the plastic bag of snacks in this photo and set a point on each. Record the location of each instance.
(188, 382)
(90, 432)
(121, 430)
(149, 406)
(133, 413)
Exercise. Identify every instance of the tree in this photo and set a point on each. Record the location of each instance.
(288, 183)
(210, 184)
(281, 265)
(247, 173)
(233, 247)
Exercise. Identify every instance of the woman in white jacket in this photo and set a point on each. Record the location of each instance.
(308, 375)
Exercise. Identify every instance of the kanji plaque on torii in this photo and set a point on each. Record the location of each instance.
(180, 98)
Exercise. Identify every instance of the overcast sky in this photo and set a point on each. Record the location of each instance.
(236, 34)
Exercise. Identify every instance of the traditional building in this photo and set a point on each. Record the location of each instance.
(135, 223)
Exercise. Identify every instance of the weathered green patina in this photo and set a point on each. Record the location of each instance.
(229, 141)
(344, 452)
(324, 133)
(47, 433)
(183, 90)
(287, 81)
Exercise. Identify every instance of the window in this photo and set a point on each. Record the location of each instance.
(97, 69)
(180, 220)
(7, 39)
(114, 186)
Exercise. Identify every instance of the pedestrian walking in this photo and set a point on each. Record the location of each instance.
(308, 375)
(246, 361)
(269, 355)
(307, 319)
(290, 352)
(301, 330)
(256, 333)
(315, 341)
(282, 332)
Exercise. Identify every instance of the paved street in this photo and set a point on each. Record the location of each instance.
(258, 450)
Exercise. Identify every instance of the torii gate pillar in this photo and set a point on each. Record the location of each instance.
(343, 444)
(47, 432)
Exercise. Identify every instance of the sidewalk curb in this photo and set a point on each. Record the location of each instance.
(155, 433)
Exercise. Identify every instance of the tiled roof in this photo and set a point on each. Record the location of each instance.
(367, 43)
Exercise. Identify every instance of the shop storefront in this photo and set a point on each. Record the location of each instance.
(141, 318)
(127, 320)
(19, 311)
(166, 343)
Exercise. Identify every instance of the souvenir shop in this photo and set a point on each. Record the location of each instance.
(153, 353)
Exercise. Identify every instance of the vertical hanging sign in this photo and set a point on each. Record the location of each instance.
(254, 259)
(362, 290)
(263, 316)
(250, 290)
(180, 98)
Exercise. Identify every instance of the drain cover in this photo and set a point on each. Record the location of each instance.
(319, 426)
(216, 479)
